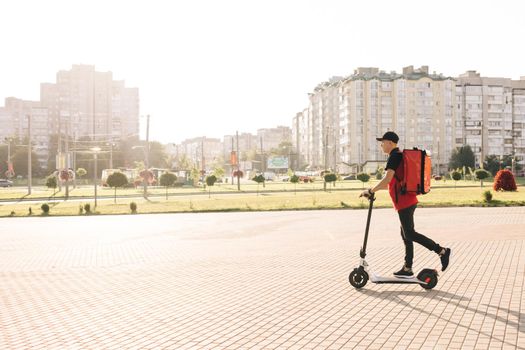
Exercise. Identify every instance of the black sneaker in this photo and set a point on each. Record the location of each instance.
(445, 258)
(404, 272)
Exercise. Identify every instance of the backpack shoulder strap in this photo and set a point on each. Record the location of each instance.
(395, 171)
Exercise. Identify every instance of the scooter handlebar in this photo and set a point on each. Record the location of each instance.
(370, 196)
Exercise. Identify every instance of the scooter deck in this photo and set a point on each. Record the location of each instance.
(401, 280)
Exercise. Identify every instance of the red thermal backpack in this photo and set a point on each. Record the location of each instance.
(417, 168)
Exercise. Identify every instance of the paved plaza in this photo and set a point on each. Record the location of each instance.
(261, 280)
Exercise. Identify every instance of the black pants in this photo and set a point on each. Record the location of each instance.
(406, 217)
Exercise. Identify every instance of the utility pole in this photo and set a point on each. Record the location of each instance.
(326, 149)
(202, 157)
(438, 156)
(231, 163)
(59, 152)
(29, 173)
(263, 158)
(359, 155)
(111, 154)
(146, 178)
(238, 158)
(67, 160)
(95, 158)
(8, 151)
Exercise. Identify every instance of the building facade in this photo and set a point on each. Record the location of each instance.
(90, 103)
(490, 115)
(16, 115)
(427, 110)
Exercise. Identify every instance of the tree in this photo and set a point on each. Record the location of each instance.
(481, 174)
(462, 157)
(157, 155)
(210, 181)
(504, 181)
(294, 179)
(259, 179)
(81, 172)
(284, 149)
(363, 177)
(238, 174)
(115, 180)
(379, 173)
(51, 182)
(456, 176)
(19, 160)
(194, 175)
(167, 179)
(493, 163)
(183, 162)
(331, 177)
(218, 172)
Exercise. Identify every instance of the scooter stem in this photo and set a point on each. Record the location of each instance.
(371, 199)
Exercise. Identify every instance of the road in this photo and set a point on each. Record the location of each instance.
(258, 280)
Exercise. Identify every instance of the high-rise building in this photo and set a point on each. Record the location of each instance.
(273, 137)
(490, 115)
(202, 152)
(90, 103)
(17, 113)
(430, 111)
(300, 138)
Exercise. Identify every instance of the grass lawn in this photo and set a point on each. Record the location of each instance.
(249, 186)
(440, 196)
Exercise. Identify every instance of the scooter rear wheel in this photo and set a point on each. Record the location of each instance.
(429, 277)
(358, 278)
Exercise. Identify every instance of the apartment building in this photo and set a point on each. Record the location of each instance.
(490, 115)
(6, 121)
(202, 152)
(89, 103)
(271, 138)
(300, 137)
(345, 115)
(16, 114)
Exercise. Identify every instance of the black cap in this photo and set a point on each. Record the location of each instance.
(389, 135)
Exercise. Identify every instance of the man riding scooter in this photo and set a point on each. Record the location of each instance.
(405, 204)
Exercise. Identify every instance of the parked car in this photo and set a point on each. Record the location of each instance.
(350, 177)
(6, 183)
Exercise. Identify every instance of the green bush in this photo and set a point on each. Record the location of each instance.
(330, 177)
(51, 182)
(481, 174)
(115, 180)
(456, 176)
(487, 196)
(45, 209)
(363, 177)
(133, 207)
(87, 208)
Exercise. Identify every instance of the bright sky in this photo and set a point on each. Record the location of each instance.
(213, 67)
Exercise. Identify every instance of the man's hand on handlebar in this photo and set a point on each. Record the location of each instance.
(366, 193)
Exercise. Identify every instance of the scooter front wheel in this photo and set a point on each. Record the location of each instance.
(358, 278)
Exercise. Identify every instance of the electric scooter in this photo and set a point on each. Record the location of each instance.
(426, 278)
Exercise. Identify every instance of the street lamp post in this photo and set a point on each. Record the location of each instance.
(95, 151)
(29, 173)
(146, 165)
